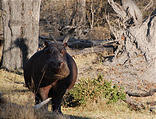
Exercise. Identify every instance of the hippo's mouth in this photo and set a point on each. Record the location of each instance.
(57, 76)
(62, 75)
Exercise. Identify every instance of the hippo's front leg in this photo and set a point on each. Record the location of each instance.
(44, 92)
(37, 98)
(57, 94)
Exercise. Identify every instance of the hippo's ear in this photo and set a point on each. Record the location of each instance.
(65, 44)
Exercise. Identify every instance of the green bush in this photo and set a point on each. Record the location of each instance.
(93, 90)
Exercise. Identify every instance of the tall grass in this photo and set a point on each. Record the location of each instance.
(9, 110)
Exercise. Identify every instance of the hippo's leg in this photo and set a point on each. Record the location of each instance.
(44, 94)
(56, 101)
(37, 98)
(57, 94)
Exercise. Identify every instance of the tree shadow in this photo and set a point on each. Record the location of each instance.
(20, 91)
(63, 116)
(14, 91)
(21, 43)
(76, 117)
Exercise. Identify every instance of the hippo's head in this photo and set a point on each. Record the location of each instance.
(56, 65)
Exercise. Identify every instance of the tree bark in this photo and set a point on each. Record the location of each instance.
(21, 30)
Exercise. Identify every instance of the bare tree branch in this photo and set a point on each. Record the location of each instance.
(148, 6)
(118, 9)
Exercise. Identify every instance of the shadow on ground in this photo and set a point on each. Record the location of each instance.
(76, 117)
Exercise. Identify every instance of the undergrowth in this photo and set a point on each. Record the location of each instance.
(93, 90)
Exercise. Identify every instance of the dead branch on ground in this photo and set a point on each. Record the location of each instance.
(149, 93)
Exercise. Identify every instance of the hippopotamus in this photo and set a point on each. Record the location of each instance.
(49, 73)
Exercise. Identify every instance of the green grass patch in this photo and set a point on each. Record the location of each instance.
(93, 90)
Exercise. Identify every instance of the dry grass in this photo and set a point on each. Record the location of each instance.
(102, 110)
(21, 99)
(14, 111)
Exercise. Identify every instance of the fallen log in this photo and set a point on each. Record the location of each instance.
(80, 43)
(151, 103)
(135, 105)
(149, 93)
(80, 47)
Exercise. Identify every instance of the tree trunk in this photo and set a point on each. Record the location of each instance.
(80, 18)
(21, 30)
(92, 14)
(81, 11)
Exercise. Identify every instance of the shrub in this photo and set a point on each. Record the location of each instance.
(93, 90)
